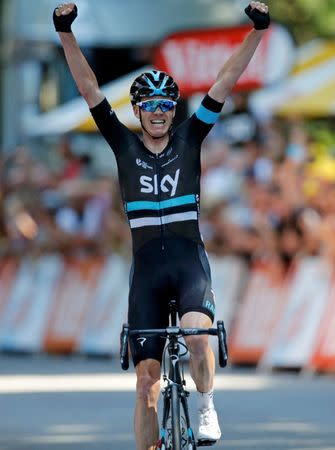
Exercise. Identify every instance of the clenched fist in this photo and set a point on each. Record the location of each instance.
(63, 17)
(259, 14)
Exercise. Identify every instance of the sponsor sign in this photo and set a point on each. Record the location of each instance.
(108, 309)
(258, 313)
(195, 57)
(71, 304)
(25, 317)
(295, 337)
(228, 275)
(323, 359)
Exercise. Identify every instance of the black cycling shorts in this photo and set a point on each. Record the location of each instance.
(180, 271)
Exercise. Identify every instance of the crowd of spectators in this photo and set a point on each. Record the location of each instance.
(265, 196)
(271, 197)
(69, 207)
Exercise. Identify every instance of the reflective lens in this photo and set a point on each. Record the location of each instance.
(152, 105)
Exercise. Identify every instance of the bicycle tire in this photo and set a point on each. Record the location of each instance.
(175, 418)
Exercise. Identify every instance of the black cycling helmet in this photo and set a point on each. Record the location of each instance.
(153, 83)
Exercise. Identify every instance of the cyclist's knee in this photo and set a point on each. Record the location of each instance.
(148, 381)
(198, 346)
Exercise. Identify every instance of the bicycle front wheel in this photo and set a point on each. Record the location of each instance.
(175, 418)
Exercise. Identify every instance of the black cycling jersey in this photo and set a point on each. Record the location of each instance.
(160, 192)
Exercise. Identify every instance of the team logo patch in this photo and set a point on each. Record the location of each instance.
(209, 305)
(143, 164)
(141, 340)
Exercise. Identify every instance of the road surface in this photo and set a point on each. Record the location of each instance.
(76, 403)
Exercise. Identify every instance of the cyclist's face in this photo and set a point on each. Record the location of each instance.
(157, 123)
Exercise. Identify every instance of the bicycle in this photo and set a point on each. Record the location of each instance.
(176, 432)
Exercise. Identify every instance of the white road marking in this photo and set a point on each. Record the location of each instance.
(14, 384)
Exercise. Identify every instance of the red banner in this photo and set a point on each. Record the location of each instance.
(194, 58)
(71, 304)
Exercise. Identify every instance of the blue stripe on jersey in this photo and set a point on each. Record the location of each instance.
(178, 201)
(207, 116)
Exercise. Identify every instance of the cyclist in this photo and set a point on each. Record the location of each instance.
(159, 178)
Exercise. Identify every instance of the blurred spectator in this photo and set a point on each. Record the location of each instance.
(71, 164)
(85, 205)
(240, 126)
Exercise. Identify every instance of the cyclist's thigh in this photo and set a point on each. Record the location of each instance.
(194, 285)
(148, 308)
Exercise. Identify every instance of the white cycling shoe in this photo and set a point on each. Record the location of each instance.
(209, 430)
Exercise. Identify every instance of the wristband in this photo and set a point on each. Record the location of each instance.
(63, 23)
(261, 20)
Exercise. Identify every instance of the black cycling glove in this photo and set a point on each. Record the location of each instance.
(63, 23)
(261, 20)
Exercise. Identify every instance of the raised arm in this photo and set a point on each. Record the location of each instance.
(237, 63)
(81, 71)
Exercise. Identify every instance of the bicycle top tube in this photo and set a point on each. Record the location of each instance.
(175, 331)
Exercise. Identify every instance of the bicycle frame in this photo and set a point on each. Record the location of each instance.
(173, 349)
(175, 394)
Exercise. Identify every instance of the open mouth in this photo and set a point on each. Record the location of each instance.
(157, 122)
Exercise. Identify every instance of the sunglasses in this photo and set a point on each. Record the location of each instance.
(152, 105)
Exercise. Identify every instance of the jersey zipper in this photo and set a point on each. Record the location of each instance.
(159, 199)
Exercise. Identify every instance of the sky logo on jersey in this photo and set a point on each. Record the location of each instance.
(168, 183)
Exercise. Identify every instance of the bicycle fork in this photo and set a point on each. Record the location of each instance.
(187, 434)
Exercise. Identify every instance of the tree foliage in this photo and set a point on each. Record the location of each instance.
(306, 19)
